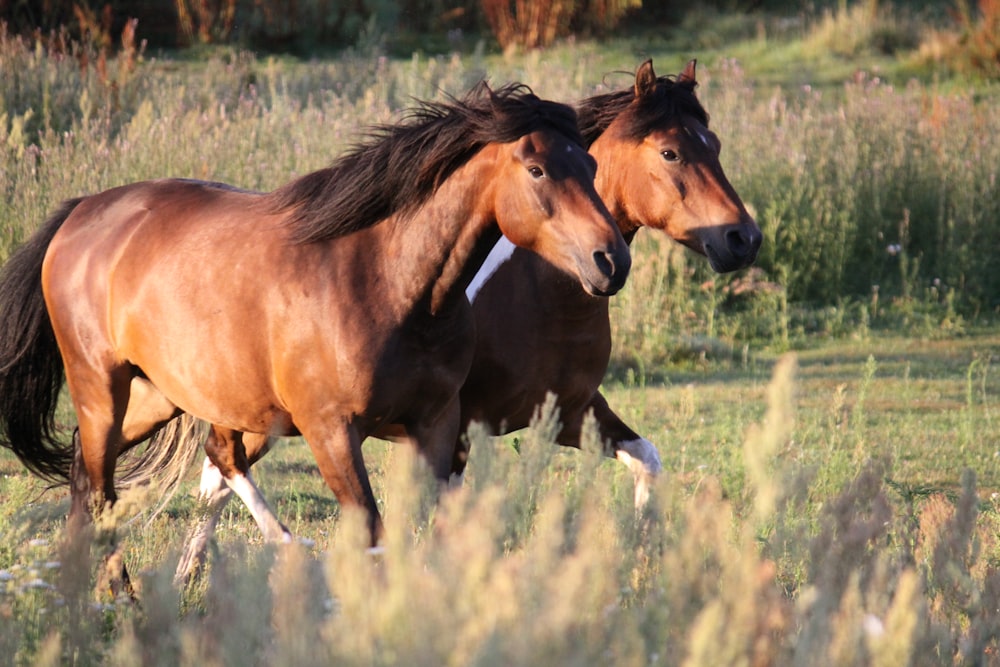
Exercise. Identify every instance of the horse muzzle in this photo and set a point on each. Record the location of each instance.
(737, 249)
(607, 272)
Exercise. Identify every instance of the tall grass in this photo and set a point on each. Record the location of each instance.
(541, 559)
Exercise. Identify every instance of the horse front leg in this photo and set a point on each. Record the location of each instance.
(213, 494)
(227, 452)
(438, 441)
(638, 454)
(337, 450)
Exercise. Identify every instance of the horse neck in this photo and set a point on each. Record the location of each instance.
(525, 278)
(611, 183)
(437, 250)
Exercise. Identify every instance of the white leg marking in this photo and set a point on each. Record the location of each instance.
(251, 496)
(501, 253)
(641, 457)
(212, 482)
(213, 494)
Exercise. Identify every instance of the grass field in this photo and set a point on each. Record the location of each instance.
(830, 442)
(843, 514)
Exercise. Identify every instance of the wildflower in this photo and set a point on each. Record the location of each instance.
(37, 584)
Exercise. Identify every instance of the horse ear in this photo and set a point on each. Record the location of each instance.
(645, 79)
(687, 76)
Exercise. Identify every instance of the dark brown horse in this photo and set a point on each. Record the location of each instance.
(353, 277)
(536, 331)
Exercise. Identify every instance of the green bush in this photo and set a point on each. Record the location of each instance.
(872, 189)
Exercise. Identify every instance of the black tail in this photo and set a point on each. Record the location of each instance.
(31, 369)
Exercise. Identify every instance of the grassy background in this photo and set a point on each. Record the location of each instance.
(834, 507)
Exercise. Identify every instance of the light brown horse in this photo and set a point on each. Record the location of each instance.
(353, 277)
(536, 331)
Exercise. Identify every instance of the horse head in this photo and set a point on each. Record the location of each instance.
(660, 169)
(547, 203)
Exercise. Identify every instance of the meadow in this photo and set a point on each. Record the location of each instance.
(827, 421)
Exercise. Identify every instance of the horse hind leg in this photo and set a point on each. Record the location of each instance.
(100, 400)
(213, 495)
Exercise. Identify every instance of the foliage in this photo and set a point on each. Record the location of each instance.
(309, 26)
(970, 45)
(206, 22)
(533, 24)
(864, 27)
(980, 35)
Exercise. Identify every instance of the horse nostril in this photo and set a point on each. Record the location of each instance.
(736, 243)
(741, 243)
(604, 264)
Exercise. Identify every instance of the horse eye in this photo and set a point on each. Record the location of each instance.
(536, 172)
(670, 155)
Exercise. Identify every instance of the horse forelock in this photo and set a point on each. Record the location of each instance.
(398, 167)
(639, 117)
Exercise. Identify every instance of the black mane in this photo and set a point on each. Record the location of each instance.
(399, 166)
(670, 98)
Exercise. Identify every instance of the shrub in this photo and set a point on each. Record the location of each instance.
(533, 24)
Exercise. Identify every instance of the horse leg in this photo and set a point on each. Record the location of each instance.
(438, 442)
(148, 411)
(459, 458)
(100, 400)
(227, 453)
(638, 454)
(337, 450)
(213, 495)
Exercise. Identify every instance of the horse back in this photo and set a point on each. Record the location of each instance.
(197, 287)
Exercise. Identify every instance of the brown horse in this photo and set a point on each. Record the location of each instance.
(354, 278)
(536, 331)
(658, 168)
